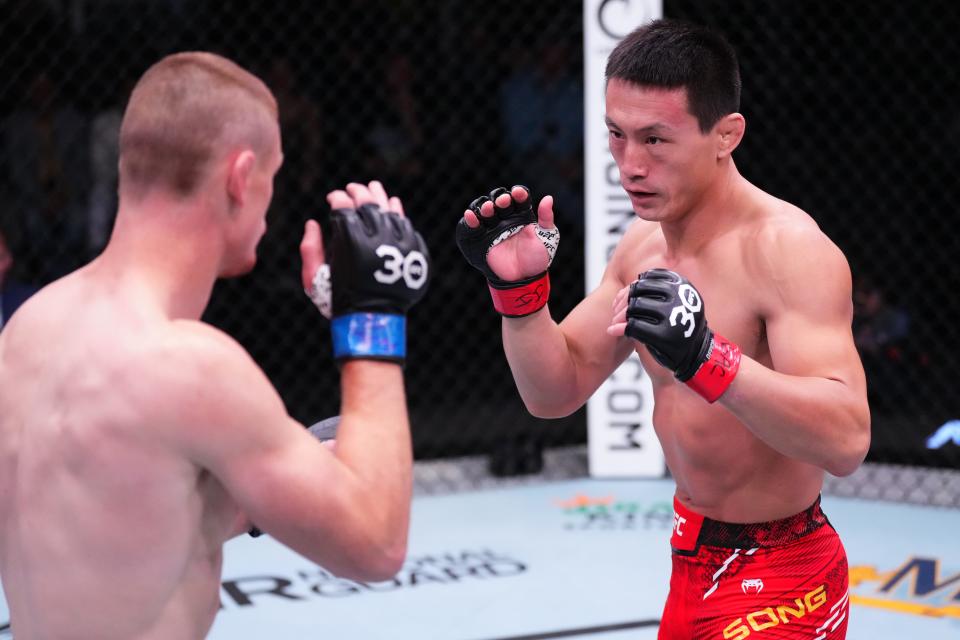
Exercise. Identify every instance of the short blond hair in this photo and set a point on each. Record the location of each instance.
(183, 113)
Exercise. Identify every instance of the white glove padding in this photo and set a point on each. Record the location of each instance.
(321, 291)
(550, 239)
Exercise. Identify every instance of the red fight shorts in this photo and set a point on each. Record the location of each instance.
(763, 581)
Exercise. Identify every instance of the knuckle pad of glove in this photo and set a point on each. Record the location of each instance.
(371, 217)
(653, 292)
(397, 229)
(642, 310)
(638, 329)
(659, 273)
(378, 261)
(678, 332)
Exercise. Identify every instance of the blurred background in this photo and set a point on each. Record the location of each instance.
(851, 114)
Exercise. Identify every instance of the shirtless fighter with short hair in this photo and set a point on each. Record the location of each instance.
(741, 314)
(135, 439)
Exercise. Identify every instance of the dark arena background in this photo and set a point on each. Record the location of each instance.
(851, 114)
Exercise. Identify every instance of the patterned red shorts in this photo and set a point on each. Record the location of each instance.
(763, 581)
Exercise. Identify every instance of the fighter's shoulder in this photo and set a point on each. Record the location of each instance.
(193, 335)
(211, 350)
(200, 385)
(783, 231)
(187, 355)
(785, 245)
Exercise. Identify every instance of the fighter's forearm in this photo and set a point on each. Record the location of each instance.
(817, 420)
(373, 437)
(543, 365)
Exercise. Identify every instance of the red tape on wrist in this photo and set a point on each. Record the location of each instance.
(718, 370)
(521, 300)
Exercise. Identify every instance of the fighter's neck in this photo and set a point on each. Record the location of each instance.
(719, 209)
(172, 257)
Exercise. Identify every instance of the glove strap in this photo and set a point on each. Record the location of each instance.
(521, 298)
(718, 370)
(375, 336)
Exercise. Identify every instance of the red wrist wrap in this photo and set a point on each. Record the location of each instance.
(718, 370)
(521, 300)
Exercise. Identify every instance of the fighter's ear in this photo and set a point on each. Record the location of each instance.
(729, 131)
(238, 175)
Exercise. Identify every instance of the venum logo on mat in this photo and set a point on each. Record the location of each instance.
(585, 513)
(447, 569)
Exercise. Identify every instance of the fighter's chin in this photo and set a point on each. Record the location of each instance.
(235, 270)
(649, 213)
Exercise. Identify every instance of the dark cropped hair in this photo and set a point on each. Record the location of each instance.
(673, 54)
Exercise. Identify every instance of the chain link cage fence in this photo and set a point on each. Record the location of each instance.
(850, 115)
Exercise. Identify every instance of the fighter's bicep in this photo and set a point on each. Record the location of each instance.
(809, 327)
(278, 474)
(285, 489)
(802, 345)
(226, 417)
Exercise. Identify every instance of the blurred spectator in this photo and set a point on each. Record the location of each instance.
(297, 190)
(46, 154)
(541, 104)
(878, 325)
(301, 127)
(395, 138)
(880, 331)
(12, 293)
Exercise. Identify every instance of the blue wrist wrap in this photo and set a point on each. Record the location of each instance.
(369, 335)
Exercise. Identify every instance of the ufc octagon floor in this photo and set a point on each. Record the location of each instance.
(571, 559)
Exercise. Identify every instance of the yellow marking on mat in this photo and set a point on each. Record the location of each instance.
(916, 608)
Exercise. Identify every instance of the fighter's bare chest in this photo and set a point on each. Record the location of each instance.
(732, 300)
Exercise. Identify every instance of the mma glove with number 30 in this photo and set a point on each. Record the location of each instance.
(377, 268)
(518, 298)
(665, 312)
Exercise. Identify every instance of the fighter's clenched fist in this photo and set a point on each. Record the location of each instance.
(663, 310)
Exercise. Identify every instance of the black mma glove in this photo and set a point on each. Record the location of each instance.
(665, 312)
(377, 268)
(517, 298)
